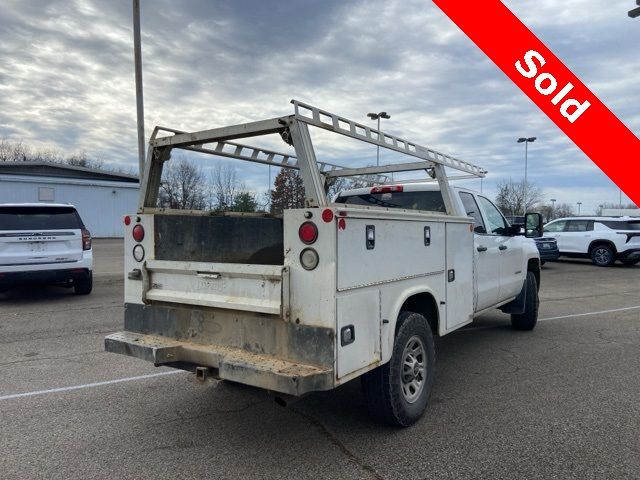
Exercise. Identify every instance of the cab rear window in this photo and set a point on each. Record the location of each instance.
(39, 218)
(429, 201)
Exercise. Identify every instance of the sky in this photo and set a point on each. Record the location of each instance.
(67, 79)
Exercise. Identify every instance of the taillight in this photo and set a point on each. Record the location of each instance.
(308, 232)
(309, 259)
(86, 239)
(387, 189)
(138, 253)
(327, 215)
(138, 233)
(127, 220)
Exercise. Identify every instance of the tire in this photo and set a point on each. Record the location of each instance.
(603, 255)
(83, 287)
(628, 262)
(399, 399)
(528, 319)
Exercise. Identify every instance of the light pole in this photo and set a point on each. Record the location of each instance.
(636, 11)
(378, 116)
(137, 55)
(579, 203)
(553, 208)
(526, 141)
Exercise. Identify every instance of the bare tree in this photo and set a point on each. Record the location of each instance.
(511, 197)
(14, 151)
(183, 186)
(563, 210)
(224, 187)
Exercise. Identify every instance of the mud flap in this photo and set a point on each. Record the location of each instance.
(517, 305)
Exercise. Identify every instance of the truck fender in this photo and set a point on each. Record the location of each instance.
(389, 333)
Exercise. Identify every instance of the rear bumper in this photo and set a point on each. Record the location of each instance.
(246, 347)
(235, 364)
(10, 279)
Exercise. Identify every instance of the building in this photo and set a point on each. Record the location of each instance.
(102, 198)
(621, 212)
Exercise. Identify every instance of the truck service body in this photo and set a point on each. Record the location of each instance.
(307, 301)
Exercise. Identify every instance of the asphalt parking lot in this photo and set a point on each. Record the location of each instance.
(561, 402)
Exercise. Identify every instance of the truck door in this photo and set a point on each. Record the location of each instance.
(511, 258)
(486, 254)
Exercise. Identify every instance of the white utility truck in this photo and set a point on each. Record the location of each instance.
(312, 299)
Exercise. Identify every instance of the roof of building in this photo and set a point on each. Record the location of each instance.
(59, 170)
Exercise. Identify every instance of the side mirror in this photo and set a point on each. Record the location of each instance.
(533, 225)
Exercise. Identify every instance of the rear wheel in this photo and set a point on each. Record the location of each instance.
(627, 262)
(528, 319)
(397, 393)
(603, 255)
(84, 286)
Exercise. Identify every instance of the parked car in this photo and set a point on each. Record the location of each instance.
(44, 244)
(603, 239)
(547, 246)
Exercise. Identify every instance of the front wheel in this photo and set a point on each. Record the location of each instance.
(529, 318)
(397, 393)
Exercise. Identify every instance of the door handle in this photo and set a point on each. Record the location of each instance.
(482, 249)
(502, 247)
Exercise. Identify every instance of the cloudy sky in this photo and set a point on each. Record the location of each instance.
(67, 82)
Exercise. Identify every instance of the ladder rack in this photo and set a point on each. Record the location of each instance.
(266, 157)
(294, 130)
(328, 121)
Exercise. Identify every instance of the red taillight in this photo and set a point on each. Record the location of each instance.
(127, 220)
(138, 233)
(86, 239)
(308, 232)
(327, 215)
(387, 189)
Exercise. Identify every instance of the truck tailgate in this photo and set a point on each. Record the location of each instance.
(254, 288)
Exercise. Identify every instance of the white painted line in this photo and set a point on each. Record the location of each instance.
(601, 312)
(87, 385)
(591, 313)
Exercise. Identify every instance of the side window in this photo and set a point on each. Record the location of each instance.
(579, 226)
(496, 223)
(472, 210)
(555, 226)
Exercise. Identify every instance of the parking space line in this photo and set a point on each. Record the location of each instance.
(87, 385)
(600, 312)
(591, 313)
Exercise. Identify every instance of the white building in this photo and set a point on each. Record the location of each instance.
(621, 212)
(102, 198)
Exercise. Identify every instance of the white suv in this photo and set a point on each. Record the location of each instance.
(44, 243)
(603, 239)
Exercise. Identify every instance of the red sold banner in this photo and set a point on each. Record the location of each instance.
(552, 87)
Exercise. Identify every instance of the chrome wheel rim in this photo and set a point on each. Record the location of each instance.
(414, 367)
(602, 255)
